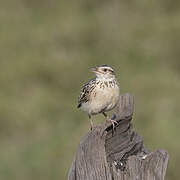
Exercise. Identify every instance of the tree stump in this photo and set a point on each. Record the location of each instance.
(104, 155)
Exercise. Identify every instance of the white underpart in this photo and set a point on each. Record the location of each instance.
(101, 99)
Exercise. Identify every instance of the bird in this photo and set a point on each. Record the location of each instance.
(100, 94)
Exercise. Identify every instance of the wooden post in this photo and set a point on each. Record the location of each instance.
(102, 155)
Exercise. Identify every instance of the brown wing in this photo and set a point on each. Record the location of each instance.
(85, 92)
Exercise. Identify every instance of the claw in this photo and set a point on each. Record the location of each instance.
(113, 123)
(111, 120)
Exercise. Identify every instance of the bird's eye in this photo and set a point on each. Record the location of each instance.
(105, 70)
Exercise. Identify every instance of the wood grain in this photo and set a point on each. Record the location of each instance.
(104, 155)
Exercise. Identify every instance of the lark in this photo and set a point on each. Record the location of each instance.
(100, 94)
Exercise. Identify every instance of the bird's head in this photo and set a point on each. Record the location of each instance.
(104, 72)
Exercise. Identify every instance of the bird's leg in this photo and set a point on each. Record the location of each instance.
(111, 120)
(91, 122)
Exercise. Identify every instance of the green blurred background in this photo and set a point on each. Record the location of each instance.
(46, 49)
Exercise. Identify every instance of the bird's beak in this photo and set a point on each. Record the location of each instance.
(94, 69)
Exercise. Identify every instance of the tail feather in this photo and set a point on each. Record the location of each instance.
(79, 105)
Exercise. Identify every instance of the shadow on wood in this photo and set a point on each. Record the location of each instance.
(102, 155)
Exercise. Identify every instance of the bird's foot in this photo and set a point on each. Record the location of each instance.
(91, 128)
(113, 122)
(91, 124)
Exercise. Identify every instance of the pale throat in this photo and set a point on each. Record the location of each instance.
(105, 78)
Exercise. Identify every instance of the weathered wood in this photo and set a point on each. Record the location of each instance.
(102, 155)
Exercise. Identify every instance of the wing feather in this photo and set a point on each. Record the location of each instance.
(86, 91)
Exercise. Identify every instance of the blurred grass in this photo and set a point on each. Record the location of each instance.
(46, 50)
